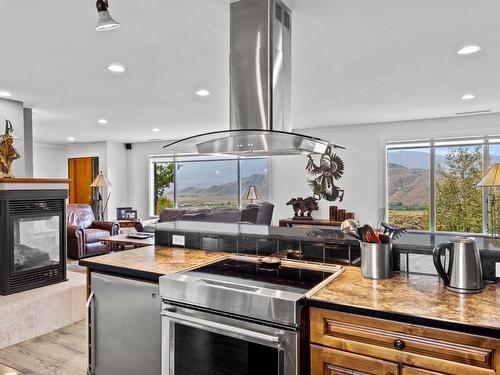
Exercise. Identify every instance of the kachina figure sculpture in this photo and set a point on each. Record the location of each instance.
(7, 151)
(330, 168)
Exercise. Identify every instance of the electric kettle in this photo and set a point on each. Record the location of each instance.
(464, 273)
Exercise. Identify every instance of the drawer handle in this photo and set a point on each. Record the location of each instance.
(399, 344)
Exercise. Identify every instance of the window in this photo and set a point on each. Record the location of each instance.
(201, 182)
(408, 187)
(163, 186)
(459, 203)
(432, 185)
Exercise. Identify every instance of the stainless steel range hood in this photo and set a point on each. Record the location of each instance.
(260, 88)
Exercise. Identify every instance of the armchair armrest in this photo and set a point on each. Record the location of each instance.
(111, 226)
(73, 231)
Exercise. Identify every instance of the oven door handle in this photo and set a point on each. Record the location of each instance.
(236, 332)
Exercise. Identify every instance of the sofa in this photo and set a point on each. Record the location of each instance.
(84, 232)
(259, 214)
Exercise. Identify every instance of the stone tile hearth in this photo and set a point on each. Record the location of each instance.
(39, 311)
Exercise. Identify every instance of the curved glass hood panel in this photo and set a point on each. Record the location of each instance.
(249, 142)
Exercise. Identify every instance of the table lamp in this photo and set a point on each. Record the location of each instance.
(101, 182)
(492, 180)
(252, 193)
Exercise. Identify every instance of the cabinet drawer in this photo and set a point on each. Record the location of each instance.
(422, 347)
(405, 370)
(326, 361)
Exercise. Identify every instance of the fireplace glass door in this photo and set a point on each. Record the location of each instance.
(37, 242)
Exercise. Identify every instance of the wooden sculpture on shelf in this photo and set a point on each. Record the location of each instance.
(303, 208)
(330, 168)
(7, 151)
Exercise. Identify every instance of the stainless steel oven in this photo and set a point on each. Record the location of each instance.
(236, 317)
(201, 342)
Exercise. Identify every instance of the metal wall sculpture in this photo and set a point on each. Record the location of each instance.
(7, 151)
(330, 168)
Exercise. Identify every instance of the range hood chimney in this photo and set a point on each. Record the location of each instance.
(260, 88)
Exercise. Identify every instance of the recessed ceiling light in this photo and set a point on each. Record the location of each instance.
(116, 68)
(102, 121)
(468, 97)
(71, 139)
(156, 130)
(5, 93)
(202, 92)
(468, 50)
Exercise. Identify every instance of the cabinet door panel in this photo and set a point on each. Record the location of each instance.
(421, 347)
(326, 361)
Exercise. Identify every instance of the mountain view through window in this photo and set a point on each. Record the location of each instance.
(458, 203)
(208, 183)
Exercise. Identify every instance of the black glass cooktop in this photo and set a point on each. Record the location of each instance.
(284, 278)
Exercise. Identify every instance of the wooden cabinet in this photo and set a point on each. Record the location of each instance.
(388, 347)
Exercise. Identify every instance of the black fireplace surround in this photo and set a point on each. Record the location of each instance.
(32, 239)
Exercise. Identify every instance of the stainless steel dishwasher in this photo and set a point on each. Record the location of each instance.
(124, 327)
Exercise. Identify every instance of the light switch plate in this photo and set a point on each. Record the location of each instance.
(178, 240)
(498, 269)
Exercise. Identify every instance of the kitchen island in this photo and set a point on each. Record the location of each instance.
(407, 297)
(365, 324)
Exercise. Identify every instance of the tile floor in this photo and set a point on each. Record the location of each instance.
(62, 352)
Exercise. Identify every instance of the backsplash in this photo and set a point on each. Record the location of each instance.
(412, 252)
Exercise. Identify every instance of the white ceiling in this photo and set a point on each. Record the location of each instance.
(353, 62)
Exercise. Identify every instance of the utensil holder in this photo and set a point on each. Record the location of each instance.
(376, 260)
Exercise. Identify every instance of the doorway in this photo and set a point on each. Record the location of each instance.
(81, 173)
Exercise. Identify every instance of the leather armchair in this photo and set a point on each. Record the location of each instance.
(84, 232)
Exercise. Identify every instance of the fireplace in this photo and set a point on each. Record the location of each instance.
(33, 240)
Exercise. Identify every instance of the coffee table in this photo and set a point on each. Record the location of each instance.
(123, 240)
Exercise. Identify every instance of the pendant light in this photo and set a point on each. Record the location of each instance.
(105, 21)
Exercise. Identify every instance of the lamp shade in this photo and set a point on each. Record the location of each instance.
(252, 193)
(491, 178)
(101, 181)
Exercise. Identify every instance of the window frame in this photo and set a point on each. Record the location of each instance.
(199, 158)
(432, 144)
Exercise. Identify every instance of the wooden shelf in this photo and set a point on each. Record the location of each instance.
(292, 222)
(18, 180)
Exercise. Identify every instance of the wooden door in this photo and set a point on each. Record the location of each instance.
(81, 173)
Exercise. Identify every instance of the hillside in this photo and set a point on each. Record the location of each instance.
(410, 186)
(229, 189)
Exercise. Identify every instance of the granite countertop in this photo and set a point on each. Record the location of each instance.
(421, 296)
(412, 298)
(151, 262)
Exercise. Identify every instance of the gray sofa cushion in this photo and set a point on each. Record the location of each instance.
(265, 214)
(249, 214)
(223, 216)
(200, 216)
(171, 214)
(254, 213)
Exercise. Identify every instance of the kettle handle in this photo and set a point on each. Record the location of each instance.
(436, 257)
